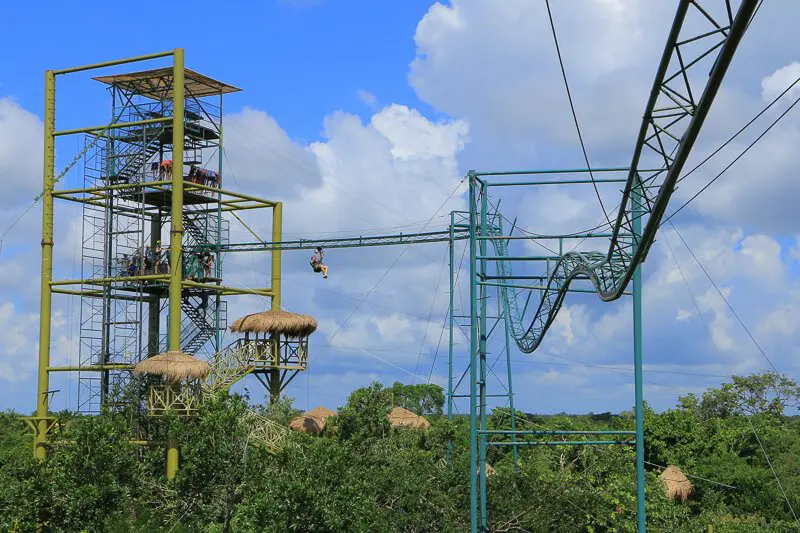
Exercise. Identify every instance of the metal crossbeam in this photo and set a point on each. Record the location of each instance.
(349, 242)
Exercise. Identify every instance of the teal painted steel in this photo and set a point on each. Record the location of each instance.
(556, 432)
(473, 374)
(553, 182)
(561, 443)
(510, 385)
(637, 371)
(450, 391)
(484, 334)
(459, 233)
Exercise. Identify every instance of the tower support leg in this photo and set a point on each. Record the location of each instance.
(176, 232)
(636, 202)
(45, 306)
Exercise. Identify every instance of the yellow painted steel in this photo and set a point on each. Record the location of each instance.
(91, 129)
(267, 203)
(113, 63)
(101, 281)
(90, 190)
(277, 233)
(172, 457)
(93, 368)
(176, 220)
(275, 285)
(40, 435)
(225, 289)
(176, 231)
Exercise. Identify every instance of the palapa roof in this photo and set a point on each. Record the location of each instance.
(157, 83)
(173, 366)
(320, 412)
(676, 485)
(313, 421)
(276, 321)
(403, 417)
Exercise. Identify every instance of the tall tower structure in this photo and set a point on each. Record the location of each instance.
(153, 230)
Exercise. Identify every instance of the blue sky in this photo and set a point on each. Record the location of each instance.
(363, 117)
(301, 60)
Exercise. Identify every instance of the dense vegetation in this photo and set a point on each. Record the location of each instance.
(363, 475)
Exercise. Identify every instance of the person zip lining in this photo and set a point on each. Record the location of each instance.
(316, 263)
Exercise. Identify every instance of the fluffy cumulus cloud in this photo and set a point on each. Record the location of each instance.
(496, 65)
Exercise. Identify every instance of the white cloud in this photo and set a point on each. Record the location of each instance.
(367, 97)
(19, 349)
(21, 134)
(778, 81)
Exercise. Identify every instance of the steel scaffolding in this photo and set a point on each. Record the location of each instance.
(153, 174)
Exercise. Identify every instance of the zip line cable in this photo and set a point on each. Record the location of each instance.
(716, 348)
(574, 114)
(430, 313)
(741, 130)
(724, 299)
(441, 333)
(398, 367)
(388, 270)
(737, 158)
(370, 202)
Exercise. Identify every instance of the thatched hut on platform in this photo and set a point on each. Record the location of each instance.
(276, 322)
(677, 486)
(174, 366)
(312, 422)
(275, 343)
(403, 417)
(177, 383)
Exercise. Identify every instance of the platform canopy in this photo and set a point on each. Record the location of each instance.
(157, 83)
(276, 322)
(173, 366)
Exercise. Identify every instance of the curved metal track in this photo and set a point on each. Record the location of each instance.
(701, 44)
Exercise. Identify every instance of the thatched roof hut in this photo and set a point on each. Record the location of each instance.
(276, 322)
(676, 485)
(313, 421)
(403, 417)
(173, 366)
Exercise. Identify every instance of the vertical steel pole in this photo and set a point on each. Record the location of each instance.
(636, 213)
(482, 354)
(505, 313)
(473, 363)
(111, 170)
(45, 305)
(275, 285)
(218, 254)
(277, 235)
(504, 310)
(450, 391)
(176, 231)
(154, 303)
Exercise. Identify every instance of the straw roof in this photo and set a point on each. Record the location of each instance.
(320, 412)
(403, 417)
(276, 321)
(173, 366)
(676, 485)
(312, 422)
(307, 424)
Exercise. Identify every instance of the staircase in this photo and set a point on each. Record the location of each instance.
(263, 430)
(198, 325)
(131, 157)
(228, 366)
